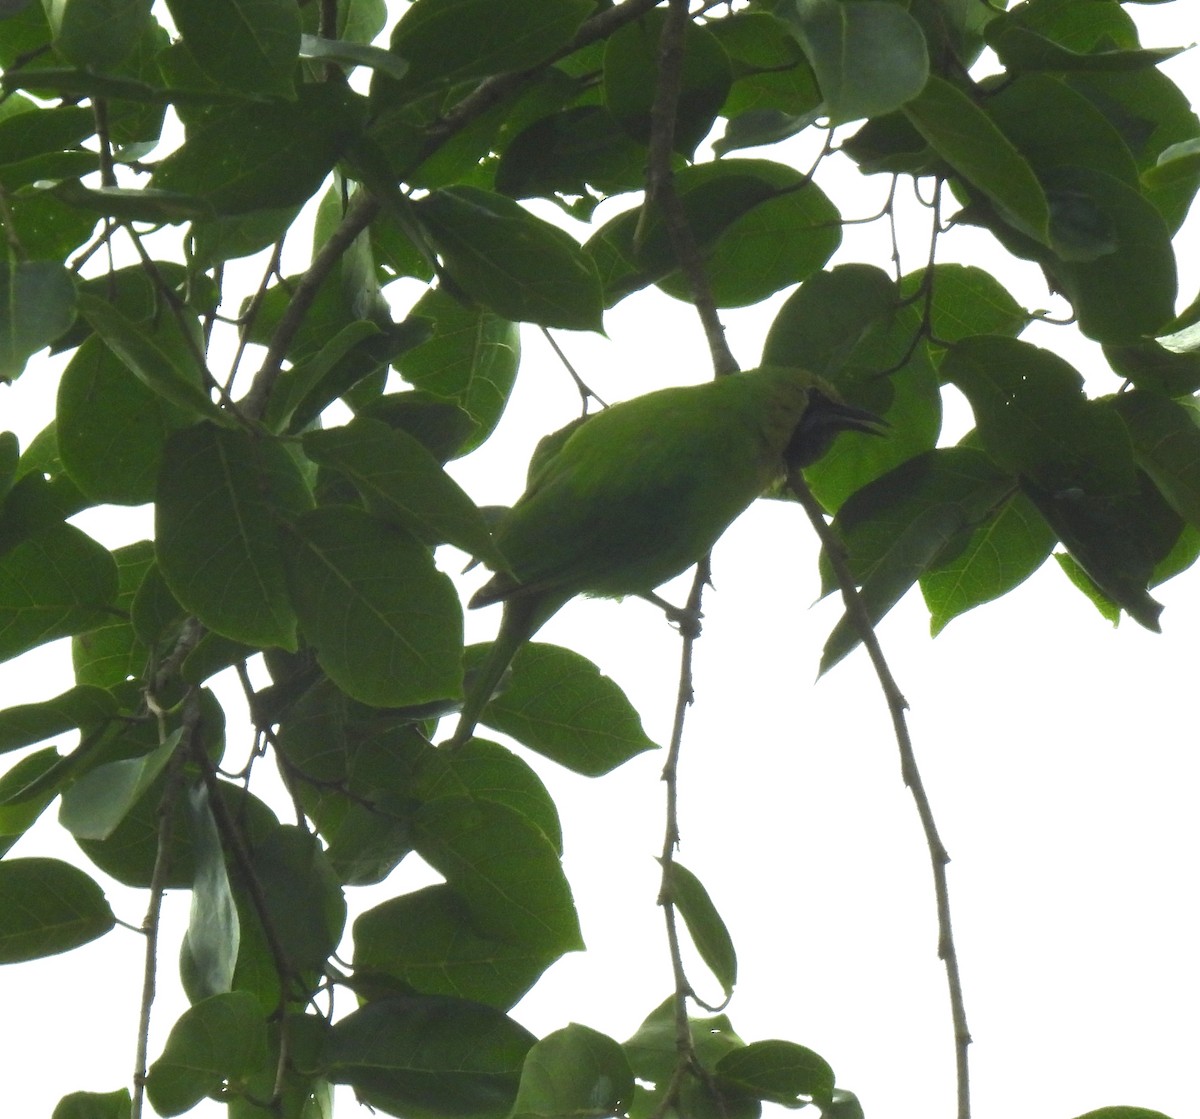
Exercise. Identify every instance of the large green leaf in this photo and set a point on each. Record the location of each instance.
(779, 1072)
(575, 1070)
(94, 1105)
(869, 58)
(26, 723)
(403, 483)
(386, 624)
(631, 65)
(54, 584)
(98, 33)
(210, 946)
(250, 46)
(220, 1038)
(46, 907)
(37, 304)
(428, 1056)
(510, 261)
(503, 867)
(1166, 444)
(221, 496)
(263, 156)
(97, 802)
(965, 137)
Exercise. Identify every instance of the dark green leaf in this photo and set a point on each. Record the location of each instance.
(46, 907)
(560, 705)
(27, 723)
(427, 941)
(33, 131)
(472, 357)
(511, 262)
(869, 58)
(94, 1105)
(778, 1072)
(428, 1056)
(1125, 1112)
(26, 790)
(574, 1071)
(402, 483)
(965, 137)
(54, 584)
(704, 924)
(220, 495)
(631, 65)
(98, 33)
(97, 802)
(1020, 49)
(386, 624)
(249, 46)
(37, 304)
(220, 1038)
(503, 867)
(264, 156)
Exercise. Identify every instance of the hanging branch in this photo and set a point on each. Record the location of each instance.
(911, 774)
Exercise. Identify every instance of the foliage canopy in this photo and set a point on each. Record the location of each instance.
(285, 536)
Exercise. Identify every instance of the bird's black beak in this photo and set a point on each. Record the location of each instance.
(823, 420)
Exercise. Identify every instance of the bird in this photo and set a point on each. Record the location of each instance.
(623, 500)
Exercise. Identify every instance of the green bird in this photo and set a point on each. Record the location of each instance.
(621, 501)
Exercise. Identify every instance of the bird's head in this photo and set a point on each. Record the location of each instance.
(824, 418)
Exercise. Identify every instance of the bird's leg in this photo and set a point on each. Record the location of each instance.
(686, 619)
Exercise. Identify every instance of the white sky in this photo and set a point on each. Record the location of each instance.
(1060, 756)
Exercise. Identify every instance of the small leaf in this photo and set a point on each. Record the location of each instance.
(94, 1105)
(510, 261)
(214, 932)
(574, 1071)
(704, 924)
(559, 704)
(220, 1038)
(37, 305)
(46, 907)
(778, 1072)
(386, 624)
(352, 54)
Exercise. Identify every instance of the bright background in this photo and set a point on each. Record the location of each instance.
(1060, 756)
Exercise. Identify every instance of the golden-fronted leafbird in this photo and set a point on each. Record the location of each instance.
(634, 495)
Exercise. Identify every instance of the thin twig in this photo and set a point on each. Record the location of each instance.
(897, 705)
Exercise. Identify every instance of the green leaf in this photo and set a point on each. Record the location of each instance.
(999, 555)
(219, 1039)
(1125, 1112)
(630, 79)
(895, 528)
(162, 360)
(351, 55)
(26, 790)
(1033, 419)
(98, 801)
(402, 483)
(427, 941)
(37, 305)
(574, 1071)
(559, 704)
(214, 932)
(264, 156)
(1020, 49)
(46, 907)
(428, 1056)
(778, 1072)
(94, 1105)
(111, 427)
(27, 723)
(517, 265)
(1166, 444)
(98, 33)
(869, 58)
(386, 624)
(503, 867)
(221, 494)
(29, 131)
(112, 653)
(449, 41)
(249, 46)
(54, 584)
(471, 357)
(704, 924)
(965, 137)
